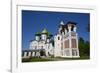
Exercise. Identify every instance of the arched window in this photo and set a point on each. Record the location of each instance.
(66, 44)
(58, 38)
(74, 52)
(67, 53)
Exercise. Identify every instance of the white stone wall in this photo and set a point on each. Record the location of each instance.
(37, 38)
(42, 45)
(57, 49)
(33, 45)
(43, 36)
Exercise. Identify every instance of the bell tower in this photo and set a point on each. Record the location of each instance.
(73, 39)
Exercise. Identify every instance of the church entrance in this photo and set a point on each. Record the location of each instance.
(42, 53)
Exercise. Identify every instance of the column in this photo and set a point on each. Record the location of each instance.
(70, 46)
(29, 54)
(37, 54)
(69, 28)
(65, 31)
(33, 54)
(70, 43)
(25, 54)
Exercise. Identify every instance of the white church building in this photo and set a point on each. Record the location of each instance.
(63, 44)
(43, 41)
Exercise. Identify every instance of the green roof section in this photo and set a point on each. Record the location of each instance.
(38, 34)
(49, 35)
(44, 31)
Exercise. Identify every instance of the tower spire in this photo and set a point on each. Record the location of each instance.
(62, 23)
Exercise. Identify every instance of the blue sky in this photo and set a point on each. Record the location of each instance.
(34, 21)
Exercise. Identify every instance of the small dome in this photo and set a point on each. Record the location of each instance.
(38, 34)
(47, 33)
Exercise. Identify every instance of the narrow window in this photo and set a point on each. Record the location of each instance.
(74, 52)
(74, 45)
(58, 38)
(66, 44)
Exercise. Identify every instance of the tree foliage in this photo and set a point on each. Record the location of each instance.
(84, 47)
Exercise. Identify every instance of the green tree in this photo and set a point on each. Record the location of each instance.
(81, 46)
(84, 47)
(87, 48)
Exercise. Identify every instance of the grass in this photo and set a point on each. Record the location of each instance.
(36, 59)
(81, 58)
(53, 59)
(40, 59)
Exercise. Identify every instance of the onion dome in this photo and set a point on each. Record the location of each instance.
(49, 35)
(38, 34)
